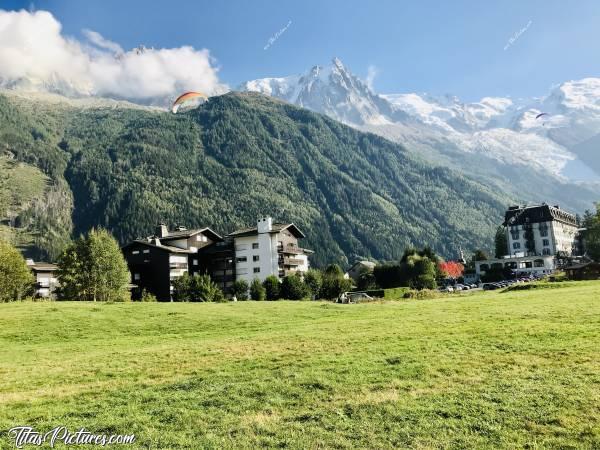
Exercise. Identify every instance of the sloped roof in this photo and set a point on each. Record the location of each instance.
(536, 214)
(167, 248)
(179, 234)
(276, 228)
(43, 267)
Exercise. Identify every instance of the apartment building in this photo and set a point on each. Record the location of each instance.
(268, 249)
(156, 261)
(256, 252)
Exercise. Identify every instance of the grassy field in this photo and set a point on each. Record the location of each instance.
(490, 370)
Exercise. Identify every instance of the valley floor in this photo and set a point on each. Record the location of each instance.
(487, 370)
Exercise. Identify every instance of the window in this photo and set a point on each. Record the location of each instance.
(255, 258)
(255, 245)
(538, 263)
(136, 276)
(195, 262)
(544, 230)
(241, 259)
(546, 243)
(146, 251)
(135, 252)
(516, 245)
(546, 251)
(514, 233)
(256, 269)
(528, 264)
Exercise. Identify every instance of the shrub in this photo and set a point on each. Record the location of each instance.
(313, 279)
(257, 290)
(293, 288)
(272, 287)
(334, 282)
(147, 296)
(240, 289)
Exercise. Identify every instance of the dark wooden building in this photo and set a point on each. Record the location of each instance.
(583, 271)
(156, 261)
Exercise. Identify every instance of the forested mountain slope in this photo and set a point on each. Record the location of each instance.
(235, 158)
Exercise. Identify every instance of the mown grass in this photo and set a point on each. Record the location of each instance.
(484, 370)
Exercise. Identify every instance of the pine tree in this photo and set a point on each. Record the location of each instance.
(501, 242)
(272, 287)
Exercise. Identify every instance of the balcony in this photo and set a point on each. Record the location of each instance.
(287, 261)
(176, 265)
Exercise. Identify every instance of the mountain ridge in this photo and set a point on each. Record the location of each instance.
(240, 156)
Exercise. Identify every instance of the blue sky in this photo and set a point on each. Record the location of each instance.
(425, 46)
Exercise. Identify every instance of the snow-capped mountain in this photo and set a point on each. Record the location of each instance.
(500, 129)
(330, 90)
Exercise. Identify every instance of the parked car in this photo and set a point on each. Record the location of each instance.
(490, 286)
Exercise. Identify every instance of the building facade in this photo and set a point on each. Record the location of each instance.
(268, 249)
(45, 278)
(156, 261)
(256, 252)
(541, 230)
(520, 265)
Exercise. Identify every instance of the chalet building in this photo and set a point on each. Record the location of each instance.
(45, 278)
(268, 249)
(156, 261)
(358, 268)
(256, 252)
(541, 230)
(583, 271)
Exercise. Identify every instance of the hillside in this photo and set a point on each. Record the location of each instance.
(235, 158)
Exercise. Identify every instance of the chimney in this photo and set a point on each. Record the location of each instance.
(264, 225)
(162, 231)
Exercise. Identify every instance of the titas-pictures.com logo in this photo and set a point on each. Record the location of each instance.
(25, 435)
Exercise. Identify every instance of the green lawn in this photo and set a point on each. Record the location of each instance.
(494, 370)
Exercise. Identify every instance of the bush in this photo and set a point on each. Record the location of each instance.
(272, 287)
(147, 296)
(197, 288)
(334, 282)
(293, 288)
(240, 289)
(313, 279)
(421, 294)
(257, 290)
(16, 280)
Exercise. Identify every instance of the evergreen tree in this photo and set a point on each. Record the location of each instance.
(182, 288)
(93, 269)
(257, 290)
(480, 255)
(501, 242)
(591, 235)
(16, 280)
(272, 287)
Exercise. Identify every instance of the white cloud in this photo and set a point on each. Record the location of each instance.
(98, 40)
(372, 72)
(34, 54)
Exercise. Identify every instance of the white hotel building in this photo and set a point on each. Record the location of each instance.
(268, 249)
(536, 236)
